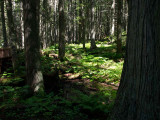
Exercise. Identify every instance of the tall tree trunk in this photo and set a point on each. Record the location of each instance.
(44, 24)
(75, 22)
(80, 21)
(119, 26)
(113, 17)
(12, 33)
(22, 26)
(125, 15)
(93, 29)
(83, 32)
(3, 24)
(56, 24)
(87, 19)
(138, 96)
(61, 30)
(32, 45)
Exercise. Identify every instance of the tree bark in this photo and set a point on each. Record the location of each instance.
(12, 34)
(93, 29)
(75, 22)
(138, 96)
(61, 30)
(80, 22)
(3, 24)
(113, 17)
(22, 26)
(32, 45)
(125, 15)
(119, 26)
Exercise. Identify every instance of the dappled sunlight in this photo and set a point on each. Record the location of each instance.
(91, 79)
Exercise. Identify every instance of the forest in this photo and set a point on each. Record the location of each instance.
(79, 60)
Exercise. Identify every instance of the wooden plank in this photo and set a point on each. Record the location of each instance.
(5, 53)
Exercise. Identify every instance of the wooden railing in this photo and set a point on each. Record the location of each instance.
(4, 53)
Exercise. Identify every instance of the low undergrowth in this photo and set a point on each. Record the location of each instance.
(96, 71)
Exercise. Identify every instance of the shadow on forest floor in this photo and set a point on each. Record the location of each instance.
(85, 85)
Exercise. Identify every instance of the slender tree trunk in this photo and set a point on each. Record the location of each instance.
(119, 26)
(56, 24)
(83, 32)
(12, 31)
(75, 23)
(69, 26)
(22, 26)
(87, 20)
(80, 22)
(138, 96)
(44, 24)
(84, 23)
(125, 15)
(72, 21)
(113, 17)
(3, 24)
(61, 30)
(93, 29)
(32, 45)
(12, 34)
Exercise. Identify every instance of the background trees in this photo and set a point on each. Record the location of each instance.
(59, 22)
(85, 21)
(73, 43)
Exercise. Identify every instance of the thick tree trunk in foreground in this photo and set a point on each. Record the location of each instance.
(3, 24)
(32, 45)
(138, 96)
(61, 30)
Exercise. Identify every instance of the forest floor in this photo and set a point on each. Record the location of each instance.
(82, 87)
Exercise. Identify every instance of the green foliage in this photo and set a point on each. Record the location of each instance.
(101, 65)
(37, 107)
(97, 105)
(47, 64)
(56, 107)
(9, 81)
(7, 75)
(9, 78)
